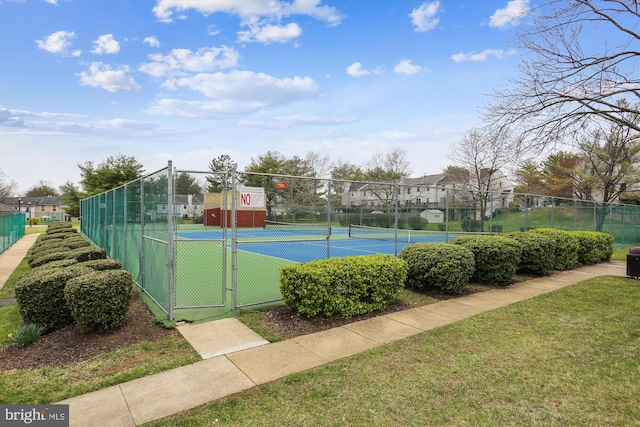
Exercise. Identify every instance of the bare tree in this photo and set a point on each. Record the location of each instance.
(387, 170)
(485, 153)
(611, 152)
(580, 58)
(7, 188)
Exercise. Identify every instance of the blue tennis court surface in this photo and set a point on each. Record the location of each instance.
(296, 247)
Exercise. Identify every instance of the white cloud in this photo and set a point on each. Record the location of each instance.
(250, 10)
(233, 93)
(152, 41)
(313, 119)
(482, 56)
(247, 86)
(113, 80)
(56, 42)
(53, 2)
(262, 18)
(510, 15)
(406, 67)
(106, 44)
(201, 109)
(270, 33)
(424, 18)
(179, 61)
(356, 70)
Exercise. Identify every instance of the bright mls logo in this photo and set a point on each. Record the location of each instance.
(35, 415)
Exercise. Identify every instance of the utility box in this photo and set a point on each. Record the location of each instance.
(633, 262)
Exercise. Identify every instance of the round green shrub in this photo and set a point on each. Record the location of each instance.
(99, 300)
(496, 257)
(538, 252)
(40, 296)
(566, 253)
(416, 222)
(346, 286)
(593, 246)
(443, 266)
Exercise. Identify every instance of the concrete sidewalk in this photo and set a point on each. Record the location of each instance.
(13, 256)
(241, 368)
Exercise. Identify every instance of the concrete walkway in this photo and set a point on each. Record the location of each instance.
(13, 256)
(236, 359)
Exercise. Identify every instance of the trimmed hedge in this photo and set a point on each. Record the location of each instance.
(45, 245)
(346, 286)
(443, 266)
(566, 253)
(77, 243)
(538, 252)
(47, 256)
(102, 264)
(59, 225)
(87, 253)
(61, 231)
(593, 246)
(496, 257)
(99, 301)
(40, 296)
(57, 264)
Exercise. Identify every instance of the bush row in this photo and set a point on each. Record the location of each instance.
(497, 259)
(72, 281)
(346, 286)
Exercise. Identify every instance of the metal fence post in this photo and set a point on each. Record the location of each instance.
(446, 215)
(491, 213)
(142, 251)
(125, 227)
(171, 256)
(234, 242)
(328, 218)
(396, 196)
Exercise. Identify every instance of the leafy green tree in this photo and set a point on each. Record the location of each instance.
(220, 168)
(342, 174)
(186, 184)
(42, 189)
(261, 172)
(529, 178)
(112, 172)
(71, 197)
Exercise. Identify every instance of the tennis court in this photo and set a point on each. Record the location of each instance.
(303, 242)
(260, 252)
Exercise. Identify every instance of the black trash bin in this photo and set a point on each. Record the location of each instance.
(633, 262)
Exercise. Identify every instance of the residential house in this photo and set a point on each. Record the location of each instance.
(47, 208)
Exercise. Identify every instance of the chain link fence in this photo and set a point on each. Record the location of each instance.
(202, 239)
(11, 229)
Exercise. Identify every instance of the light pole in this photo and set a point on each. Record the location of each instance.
(30, 222)
(19, 203)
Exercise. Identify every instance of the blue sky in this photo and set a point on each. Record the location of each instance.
(188, 80)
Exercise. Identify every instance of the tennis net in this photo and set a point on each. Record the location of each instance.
(403, 235)
(299, 230)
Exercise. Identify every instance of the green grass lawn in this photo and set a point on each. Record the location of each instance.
(569, 357)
